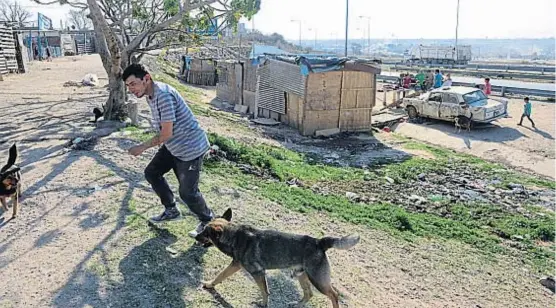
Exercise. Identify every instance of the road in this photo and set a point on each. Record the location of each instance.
(496, 82)
(521, 147)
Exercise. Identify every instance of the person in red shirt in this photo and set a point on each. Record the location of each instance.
(407, 81)
(488, 87)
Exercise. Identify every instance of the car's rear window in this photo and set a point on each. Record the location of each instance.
(474, 96)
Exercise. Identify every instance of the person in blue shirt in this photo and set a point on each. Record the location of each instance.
(438, 79)
(526, 112)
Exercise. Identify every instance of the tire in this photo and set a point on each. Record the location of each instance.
(412, 112)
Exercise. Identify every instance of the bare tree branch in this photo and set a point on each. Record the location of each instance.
(79, 19)
(13, 11)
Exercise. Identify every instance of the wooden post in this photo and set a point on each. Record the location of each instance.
(257, 96)
(384, 94)
(503, 91)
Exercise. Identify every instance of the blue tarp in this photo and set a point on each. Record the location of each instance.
(315, 64)
(319, 65)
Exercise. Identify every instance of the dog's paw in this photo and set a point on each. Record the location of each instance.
(207, 285)
(299, 304)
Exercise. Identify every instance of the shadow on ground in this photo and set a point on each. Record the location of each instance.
(151, 277)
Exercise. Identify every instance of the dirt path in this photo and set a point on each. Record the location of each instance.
(82, 240)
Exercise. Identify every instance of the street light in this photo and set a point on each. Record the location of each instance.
(334, 36)
(368, 18)
(313, 29)
(298, 21)
(457, 25)
(347, 18)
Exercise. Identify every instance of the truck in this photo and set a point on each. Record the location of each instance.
(438, 54)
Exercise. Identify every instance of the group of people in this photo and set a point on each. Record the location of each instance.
(47, 54)
(426, 81)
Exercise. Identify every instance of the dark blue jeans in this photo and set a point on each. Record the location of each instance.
(528, 117)
(187, 172)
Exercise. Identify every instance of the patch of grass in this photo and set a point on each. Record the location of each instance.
(445, 156)
(137, 133)
(97, 268)
(283, 163)
(189, 93)
(486, 227)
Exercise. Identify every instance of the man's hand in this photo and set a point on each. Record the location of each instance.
(137, 150)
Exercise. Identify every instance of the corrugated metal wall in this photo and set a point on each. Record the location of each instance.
(8, 62)
(287, 77)
(278, 77)
(269, 97)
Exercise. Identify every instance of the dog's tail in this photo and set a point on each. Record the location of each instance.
(345, 242)
(11, 158)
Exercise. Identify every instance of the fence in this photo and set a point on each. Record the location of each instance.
(502, 90)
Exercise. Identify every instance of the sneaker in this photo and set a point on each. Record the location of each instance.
(200, 227)
(168, 215)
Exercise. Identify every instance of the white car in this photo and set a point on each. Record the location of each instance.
(449, 102)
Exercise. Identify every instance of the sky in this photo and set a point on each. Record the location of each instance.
(399, 19)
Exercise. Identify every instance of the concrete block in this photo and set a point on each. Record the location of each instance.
(327, 132)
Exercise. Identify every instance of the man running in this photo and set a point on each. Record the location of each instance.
(183, 144)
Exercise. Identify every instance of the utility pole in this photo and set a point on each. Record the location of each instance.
(347, 19)
(334, 36)
(368, 18)
(299, 21)
(315, 30)
(457, 26)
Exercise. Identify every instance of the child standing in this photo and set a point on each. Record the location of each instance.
(488, 86)
(526, 112)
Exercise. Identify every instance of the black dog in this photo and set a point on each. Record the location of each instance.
(98, 114)
(10, 182)
(464, 122)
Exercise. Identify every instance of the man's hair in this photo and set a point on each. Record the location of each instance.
(136, 70)
(487, 79)
(526, 99)
(438, 71)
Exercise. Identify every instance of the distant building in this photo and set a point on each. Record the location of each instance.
(229, 31)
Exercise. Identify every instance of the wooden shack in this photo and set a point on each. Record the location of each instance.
(230, 81)
(198, 71)
(317, 94)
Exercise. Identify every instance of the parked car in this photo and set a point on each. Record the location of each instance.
(448, 102)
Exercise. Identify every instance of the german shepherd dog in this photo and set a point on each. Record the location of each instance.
(259, 250)
(462, 121)
(10, 182)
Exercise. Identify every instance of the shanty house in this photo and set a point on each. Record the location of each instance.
(198, 71)
(314, 94)
(237, 81)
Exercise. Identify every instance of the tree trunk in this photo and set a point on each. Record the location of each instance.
(114, 64)
(115, 106)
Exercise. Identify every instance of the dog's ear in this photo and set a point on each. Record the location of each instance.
(228, 215)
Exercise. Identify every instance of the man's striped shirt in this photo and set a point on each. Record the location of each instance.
(188, 140)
